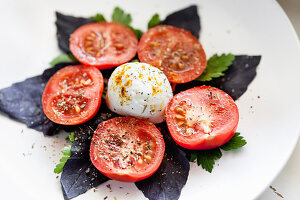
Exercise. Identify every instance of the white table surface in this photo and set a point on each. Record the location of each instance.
(287, 184)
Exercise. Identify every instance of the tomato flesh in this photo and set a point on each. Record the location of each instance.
(202, 118)
(127, 149)
(174, 51)
(104, 44)
(73, 95)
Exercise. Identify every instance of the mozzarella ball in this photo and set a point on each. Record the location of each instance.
(139, 90)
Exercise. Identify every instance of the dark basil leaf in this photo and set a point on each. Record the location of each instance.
(236, 79)
(23, 102)
(186, 18)
(79, 174)
(169, 179)
(66, 25)
(239, 75)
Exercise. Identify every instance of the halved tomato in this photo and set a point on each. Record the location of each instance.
(202, 118)
(174, 51)
(103, 45)
(73, 95)
(127, 149)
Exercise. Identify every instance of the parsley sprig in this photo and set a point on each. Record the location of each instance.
(63, 58)
(66, 151)
(216, 65)
(120, 16)
(207, 158)
(71, 137)
(236, 142)
(155, 20)
(98, 18)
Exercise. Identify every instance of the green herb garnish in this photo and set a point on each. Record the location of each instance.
(66, 151)
(70, 137)
(155, 20)
(216, 65)
(236, 142)
(98, 18)
(207, 158)
(121, 17)
(138, 33)
(63, 58)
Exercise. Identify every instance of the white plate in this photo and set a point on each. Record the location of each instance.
(269, 123)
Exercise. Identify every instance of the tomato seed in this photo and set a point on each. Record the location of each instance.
(140, 161)
(77, 108)
(148, 158)
(93, 34)
(89, 38)
(155, 44)
(179, 123)
(149, 152)
(184, 58)
(98, 54)
(119, 46)
(87, 82)
(179, 117)
(180, 66)
(90, 50)
(82, 81)
(180, 110)
(88, 43)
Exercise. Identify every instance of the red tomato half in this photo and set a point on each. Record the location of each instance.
(174, 51)
(103, 45)
(127, 149)
(73, 95)
(202, 118)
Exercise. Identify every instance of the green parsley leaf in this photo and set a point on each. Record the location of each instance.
(154, 21)
(98, 18)
(70, 137)
(235, 142)
(207, 158)
(63, 58)
(121, 17)
(66, 151)
(216, 65)
(138, 33)
(135, 60)
(59, 168)
(193, 156)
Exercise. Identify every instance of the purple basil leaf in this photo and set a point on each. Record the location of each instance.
(23, 102)
(79, 174)
(236, 79)
(186, 18)
(66, 25)
(238, 76)
(167, 182)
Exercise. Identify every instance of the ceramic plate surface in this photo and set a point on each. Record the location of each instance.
(269, 110)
